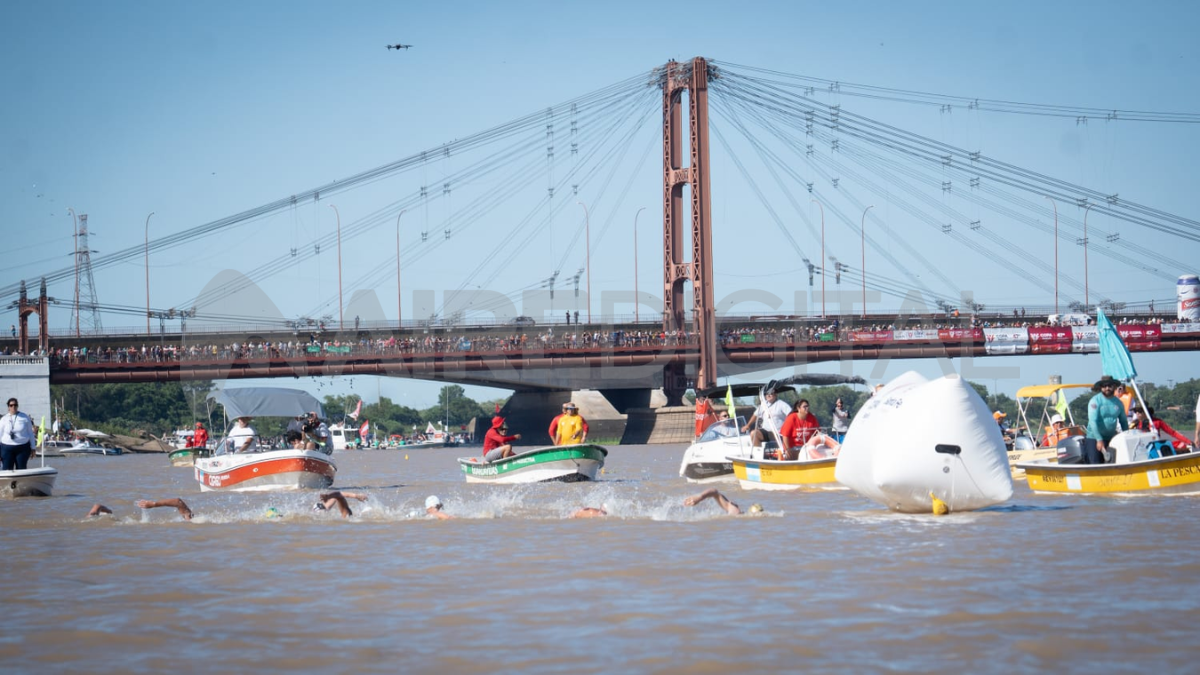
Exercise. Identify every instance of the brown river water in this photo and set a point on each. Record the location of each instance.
(825, 581)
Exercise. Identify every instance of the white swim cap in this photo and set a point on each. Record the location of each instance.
(432, 502)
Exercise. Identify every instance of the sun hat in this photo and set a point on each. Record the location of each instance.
(1055, 419)
(1106, 381)
(432, 502)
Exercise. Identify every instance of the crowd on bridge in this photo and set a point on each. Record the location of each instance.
(758, 334)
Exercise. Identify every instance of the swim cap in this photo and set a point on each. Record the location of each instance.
(432, 502)
(273, 512)
(756, 508)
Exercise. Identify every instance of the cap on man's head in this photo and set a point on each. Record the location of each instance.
(1056, 419)
(998, 415)
(432, 502)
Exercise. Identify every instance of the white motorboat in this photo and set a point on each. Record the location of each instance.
(38, 482)
(708, 460)
(259, 467)
(78, 446)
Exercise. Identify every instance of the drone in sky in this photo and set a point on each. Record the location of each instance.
(398, 47)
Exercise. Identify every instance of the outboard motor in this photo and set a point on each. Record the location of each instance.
(1023, 443)
(1070, 450)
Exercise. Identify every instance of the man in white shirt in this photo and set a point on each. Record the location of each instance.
(316, 434)
(770, 414)
(16, 438)
(241, 436)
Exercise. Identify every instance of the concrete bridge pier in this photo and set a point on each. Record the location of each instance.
(529, 413)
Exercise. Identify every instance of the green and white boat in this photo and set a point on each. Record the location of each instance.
(566, 463)
(182, 456)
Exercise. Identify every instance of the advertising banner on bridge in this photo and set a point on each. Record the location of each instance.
(960, 334)
(1175, 328)
(870, 336)
(1006, 340)
(1139, 332)
(1050, 339)
(916, 334)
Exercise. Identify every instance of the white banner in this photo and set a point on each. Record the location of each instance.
(1006, 340)
(916, 334)
(1085, 340)
(1181, 328)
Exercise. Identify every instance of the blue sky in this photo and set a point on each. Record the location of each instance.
(199, 111)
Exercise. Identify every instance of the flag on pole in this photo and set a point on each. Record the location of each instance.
(42, 431)
(729, 401)
(362, 431)
(1114, 356)
(1060, 403)
(354, 415)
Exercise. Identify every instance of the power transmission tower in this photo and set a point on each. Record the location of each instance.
(85, 283)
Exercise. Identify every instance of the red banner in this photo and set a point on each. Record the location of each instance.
(960, 334)
(1139, 333)
(1144, 346)
(870, 336)
(1049, 347)
(1046, 335)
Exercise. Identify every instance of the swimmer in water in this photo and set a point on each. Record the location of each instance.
(730, 507)
(433, 507)
(176, 503)
(328, 500)
(591, 512)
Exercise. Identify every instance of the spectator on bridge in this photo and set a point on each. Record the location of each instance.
(16, 438)
(568, 313)
(241, 436)
(798, 428)
(768, 419)
(577, 317)
(496, 444)
(572, 428)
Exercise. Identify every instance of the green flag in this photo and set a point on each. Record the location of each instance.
(42, 431)
(1060, 404)
(729, 401)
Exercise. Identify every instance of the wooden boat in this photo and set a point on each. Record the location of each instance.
(778, 474)
(37, 482)
(1132, 471)
(565, 463)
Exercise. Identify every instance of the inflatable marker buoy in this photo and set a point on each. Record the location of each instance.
(916, 437)
(939, 506)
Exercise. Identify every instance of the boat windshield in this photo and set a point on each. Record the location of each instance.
(721, 429)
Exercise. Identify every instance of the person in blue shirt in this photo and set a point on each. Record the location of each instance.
(1106, 418)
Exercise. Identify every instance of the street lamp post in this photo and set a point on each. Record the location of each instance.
(635, 270)
(339, 242)
(863, 231)
(75, 236)
(587, 235)
(399, 316)
(1055, 205)
(148, 273)
(1085, 260)
(822, 256)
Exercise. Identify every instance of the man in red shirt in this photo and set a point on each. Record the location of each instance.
(496, 445)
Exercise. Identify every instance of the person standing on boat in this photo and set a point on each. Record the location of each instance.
(200, 436)
(572, 428)
(1106, 418)
(704, 415)
(497, 445)
(554, 423)
(16, 438)
(241, 436)
(770, 415)
(798, 428)
(316, 434)
(841, 420)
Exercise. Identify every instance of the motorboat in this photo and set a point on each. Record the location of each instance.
(37, 482)
(1041, 402)
(431, 438)
(783, 474)
(708, 459)
(1138, 462)
(182, 456)
(77, 446)
(261, 467)
(563, 463)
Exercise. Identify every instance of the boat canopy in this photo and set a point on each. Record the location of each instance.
(266, 402)
(782, 385)
(1045, 390)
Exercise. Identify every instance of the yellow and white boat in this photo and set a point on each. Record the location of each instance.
(1028, 446)
(777, 474)
(1132, 471)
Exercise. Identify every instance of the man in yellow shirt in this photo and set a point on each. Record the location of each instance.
(571, 427)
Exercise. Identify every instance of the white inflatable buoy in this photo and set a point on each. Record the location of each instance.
(918, 440)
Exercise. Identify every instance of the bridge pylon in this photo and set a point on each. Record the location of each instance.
(24, 309)
(676, 78)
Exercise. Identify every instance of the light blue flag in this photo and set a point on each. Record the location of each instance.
(1114, 356)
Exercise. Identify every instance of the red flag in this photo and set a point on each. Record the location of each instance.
(497, 408)
(362, 431)
(357, 410)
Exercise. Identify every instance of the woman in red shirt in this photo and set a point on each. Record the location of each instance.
(799, 426)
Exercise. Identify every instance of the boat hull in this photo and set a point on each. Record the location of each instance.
(773, 474)
(1179, 474)
(707, 462)
(264, 471)
(566, 463)
(182, 457)
(37, 482)
(1032, 455)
